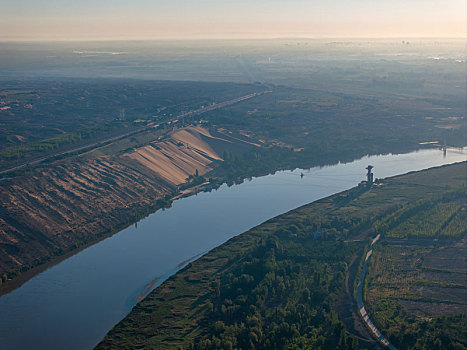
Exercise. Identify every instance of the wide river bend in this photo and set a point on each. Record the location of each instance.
(73, 304)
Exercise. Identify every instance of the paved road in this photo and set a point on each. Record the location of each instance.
(361, 307)
(74, 150)
(122, 136)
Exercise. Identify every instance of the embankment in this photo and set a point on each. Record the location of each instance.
(52, 211)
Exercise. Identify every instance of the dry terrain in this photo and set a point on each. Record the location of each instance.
(185, 153)
(56, 208)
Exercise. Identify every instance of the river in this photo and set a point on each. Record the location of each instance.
(73, 304)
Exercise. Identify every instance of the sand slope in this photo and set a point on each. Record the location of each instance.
(65, 204)
(178, 157)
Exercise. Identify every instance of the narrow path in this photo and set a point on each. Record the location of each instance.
(361, 307)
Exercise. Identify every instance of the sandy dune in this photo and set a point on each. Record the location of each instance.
(178, 157)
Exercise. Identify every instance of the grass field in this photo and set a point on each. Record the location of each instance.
(417, 286)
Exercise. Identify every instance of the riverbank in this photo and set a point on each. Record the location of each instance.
(127, 215)
(122, 191)
(25, 276)
(221, 289)
(124, 265)
(53, 212)
(19, 277)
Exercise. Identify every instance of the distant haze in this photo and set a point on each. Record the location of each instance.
(218, 19)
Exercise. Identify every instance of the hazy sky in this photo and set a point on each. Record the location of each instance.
(158, 19)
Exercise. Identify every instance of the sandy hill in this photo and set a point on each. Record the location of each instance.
(188, 150)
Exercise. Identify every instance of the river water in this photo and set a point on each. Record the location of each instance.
(73, 304)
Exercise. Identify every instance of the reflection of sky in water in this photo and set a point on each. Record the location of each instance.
(73, 304)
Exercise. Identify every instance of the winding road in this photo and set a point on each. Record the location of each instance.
(361, 308)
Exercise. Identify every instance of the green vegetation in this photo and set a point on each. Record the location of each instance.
(305, 127)
(40, 116)
(416, 291)
(331, 122)
(326, 105)
(279, 295)
(436, 217)
(42, 146)
(279, 285)
(417, 308)
(298, 127)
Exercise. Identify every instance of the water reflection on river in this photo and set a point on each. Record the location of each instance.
(74, 304)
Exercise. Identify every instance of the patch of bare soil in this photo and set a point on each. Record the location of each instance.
(449, 258)
(429, 309)
(435, 274)
(445, 277)
(442, 294)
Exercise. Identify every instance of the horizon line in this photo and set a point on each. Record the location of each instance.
(324, 37)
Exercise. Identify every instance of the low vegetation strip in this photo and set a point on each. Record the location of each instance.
(277, 285)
